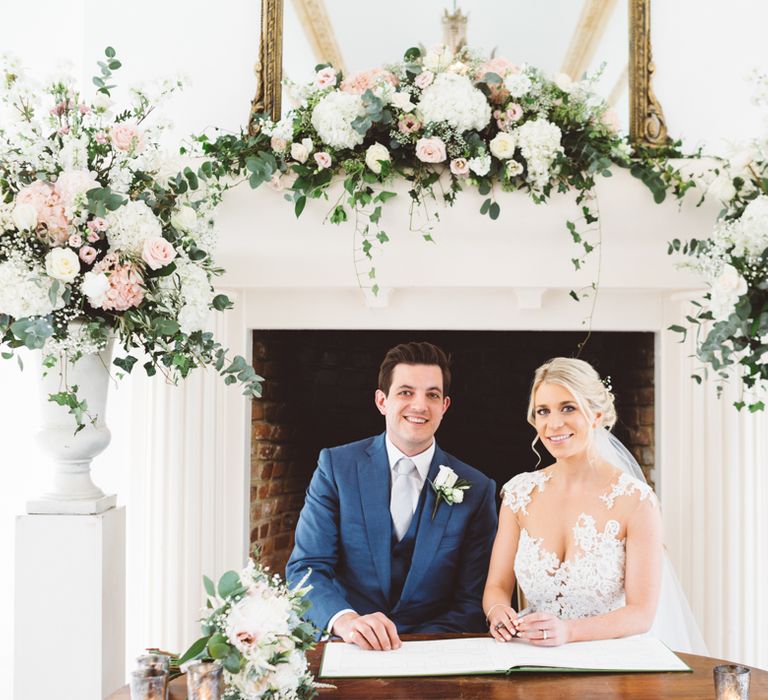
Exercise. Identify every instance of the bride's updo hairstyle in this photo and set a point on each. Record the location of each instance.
(581, 379)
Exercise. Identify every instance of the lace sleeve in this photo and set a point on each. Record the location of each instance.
(516, 493)
(626, 485)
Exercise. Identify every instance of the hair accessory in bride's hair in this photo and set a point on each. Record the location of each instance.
(606, 380)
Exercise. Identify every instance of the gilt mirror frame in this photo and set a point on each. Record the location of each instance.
(646, 117)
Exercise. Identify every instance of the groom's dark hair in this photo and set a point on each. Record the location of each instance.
(414, 354)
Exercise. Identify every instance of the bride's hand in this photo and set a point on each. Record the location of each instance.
(543, 629)
(501, 623)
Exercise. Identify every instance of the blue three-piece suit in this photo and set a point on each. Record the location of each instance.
(430, 581)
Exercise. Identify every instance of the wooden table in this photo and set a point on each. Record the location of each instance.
(530, 686)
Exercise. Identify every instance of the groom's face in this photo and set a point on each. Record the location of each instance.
(414, 406)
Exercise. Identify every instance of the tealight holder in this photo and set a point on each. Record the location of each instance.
(157, 661)
(205, 681)
(148, 684)
(731, 682)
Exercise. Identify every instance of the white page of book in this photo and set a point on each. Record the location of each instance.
(485, 655)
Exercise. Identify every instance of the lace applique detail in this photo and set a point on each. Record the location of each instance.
(626, 486)
(592, 583)
(517, 491)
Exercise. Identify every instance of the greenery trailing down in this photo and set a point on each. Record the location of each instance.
(442, 123)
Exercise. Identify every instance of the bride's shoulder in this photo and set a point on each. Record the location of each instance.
(517, 492)
(624, 484)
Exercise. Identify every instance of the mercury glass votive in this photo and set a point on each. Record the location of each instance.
(731, 682)
(148, 684)
(205, 681)
(157, 661)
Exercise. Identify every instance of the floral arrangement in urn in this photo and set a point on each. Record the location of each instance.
(443, 122)
(99, 225)
(732, 320)
(253, 627)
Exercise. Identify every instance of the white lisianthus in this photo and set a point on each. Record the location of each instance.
(132, 224)
(62, 264)
(453, 99)
(374, 154)
(726, 291)
(517, 84)
(184, 218)
(503, 145)
(402, 100)
(480, 165)
(94, 287)
(24, 217)
(446, 477)
(332, 118)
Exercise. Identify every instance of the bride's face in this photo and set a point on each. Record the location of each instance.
(562, 426)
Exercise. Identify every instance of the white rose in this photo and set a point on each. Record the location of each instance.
(480, 165)
(94, 286)
(184, 218)
(24, 217)
(299, 152)
(402, 100)
(563, 81)
(62, 264)
(374, 154)
(446, 477)
(101, 102)
(726, 291)
(721, 188)
(503, 145)
(458, 495)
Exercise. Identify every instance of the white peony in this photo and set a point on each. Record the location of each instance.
(24, 217)
(453, 99)
(24, 291)
(332, 118)
(503, 145)
(94, 287)
(539, 142)
(374, 154)
(129, 226)
(726, 291)
(62, 264)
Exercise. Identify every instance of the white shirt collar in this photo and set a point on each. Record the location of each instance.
(423, 460)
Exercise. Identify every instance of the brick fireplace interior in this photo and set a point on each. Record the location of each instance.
(319, 393)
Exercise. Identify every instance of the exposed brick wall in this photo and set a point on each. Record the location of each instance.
(319, 393)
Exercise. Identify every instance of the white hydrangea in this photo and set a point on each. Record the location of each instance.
(130, 225)
(453, 99)
(24, 291)
(518, 84)
(539, 142)
(196, 293)
(332, 118)
(72, 185)
(162, 165)
(749, 234)
(74, 153)
(282, 129)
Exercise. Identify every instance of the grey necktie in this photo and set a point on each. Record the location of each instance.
(401, 503)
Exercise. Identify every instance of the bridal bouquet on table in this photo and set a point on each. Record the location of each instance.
(103, 233)
(253, 627)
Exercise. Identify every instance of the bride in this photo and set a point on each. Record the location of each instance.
(583, 537)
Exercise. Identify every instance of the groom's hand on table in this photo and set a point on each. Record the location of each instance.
(373, 632)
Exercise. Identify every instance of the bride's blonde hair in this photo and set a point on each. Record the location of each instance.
(583, 381)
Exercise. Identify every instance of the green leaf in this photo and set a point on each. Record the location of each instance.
(301, 202)
(218, 647)
(32, 332)
(109, 52)
(233, 661)
(228, 582)
(573, 295)
(210, 587)
(194, 651)
(125, 363)
(494, 210)
(165, 326)
(382, 237)
(486, 205)
(385, 196)
(221, 302)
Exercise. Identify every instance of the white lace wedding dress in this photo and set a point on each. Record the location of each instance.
(590, 581)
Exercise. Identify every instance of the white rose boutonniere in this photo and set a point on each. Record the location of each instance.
(448, 487)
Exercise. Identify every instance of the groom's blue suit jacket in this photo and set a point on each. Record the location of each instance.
(344, 536)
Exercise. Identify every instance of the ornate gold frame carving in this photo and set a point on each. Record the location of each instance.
(646, 117)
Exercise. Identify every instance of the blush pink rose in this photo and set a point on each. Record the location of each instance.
(75, 240)
(325, 78)
(127, 137)
(358, 83)
(430, 150)
(50, 211)
(514, 112)
(460, 167)
(610, 118)
(277, 143)
(323, 160)
(157, 252)
(424, 79)
(97, 224)
(88, 254)
(499, 65)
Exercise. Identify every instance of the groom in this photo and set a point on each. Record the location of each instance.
(382, 562)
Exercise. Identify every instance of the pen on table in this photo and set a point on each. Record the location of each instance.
(525, 611)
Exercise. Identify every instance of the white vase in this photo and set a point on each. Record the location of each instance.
(71, 490)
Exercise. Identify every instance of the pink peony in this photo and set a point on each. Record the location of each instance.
(323, 160)
(50, 210)
(157, 253)
(408, 124)
(358, 83)
(430, 150)
(460, 167)
(88, 254)
(126, 136)
(424, 79)
(325, 78)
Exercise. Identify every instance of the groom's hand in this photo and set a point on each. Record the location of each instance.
(375, 631)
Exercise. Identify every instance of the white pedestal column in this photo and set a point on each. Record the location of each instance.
(70, 606)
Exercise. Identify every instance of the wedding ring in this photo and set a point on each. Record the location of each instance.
(544, 633)
(499, 626)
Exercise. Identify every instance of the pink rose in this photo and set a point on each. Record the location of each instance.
(323, 160)
(157, 252)
(514, 111)
(127, 137)
(499, 65)
(278, 144)
(460, 167)
(325, 78)
(408, 124)
(358, 83)
(88, 254)
(50, 210)
(431, 150)
(424, 79)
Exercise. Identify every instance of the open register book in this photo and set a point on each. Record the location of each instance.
(478, 655)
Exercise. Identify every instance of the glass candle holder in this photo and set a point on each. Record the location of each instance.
(148, 684)
(731, 682)
(205, 681)
(156, 661)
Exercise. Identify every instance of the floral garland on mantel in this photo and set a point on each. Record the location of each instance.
(442, 122)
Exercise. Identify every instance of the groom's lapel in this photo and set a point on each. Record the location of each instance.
(430, 531)
(373, 480)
